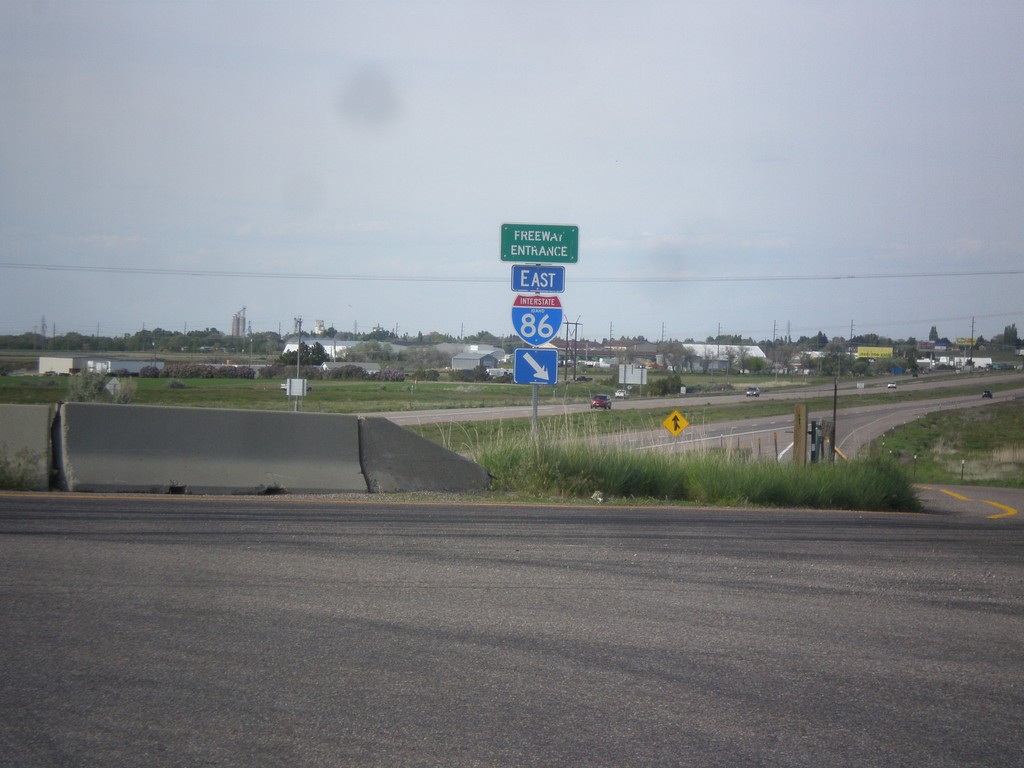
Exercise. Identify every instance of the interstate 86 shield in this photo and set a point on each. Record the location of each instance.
(536, 319)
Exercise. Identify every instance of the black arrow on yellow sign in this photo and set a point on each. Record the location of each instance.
(675, 423)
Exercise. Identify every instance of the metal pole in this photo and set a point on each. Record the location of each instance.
(533, 419)
(832, 437)
(298, 359)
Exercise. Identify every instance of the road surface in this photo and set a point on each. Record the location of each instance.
(176, 631)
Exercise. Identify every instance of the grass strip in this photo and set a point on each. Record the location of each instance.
(581, 470)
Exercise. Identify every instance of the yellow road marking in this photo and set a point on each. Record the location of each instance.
(1007, 511)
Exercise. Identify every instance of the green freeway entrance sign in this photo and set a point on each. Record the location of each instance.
(540, 243)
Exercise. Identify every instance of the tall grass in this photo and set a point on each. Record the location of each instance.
(22, 470)
(582, 468)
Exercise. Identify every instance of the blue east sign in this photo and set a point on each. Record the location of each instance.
(528, 277)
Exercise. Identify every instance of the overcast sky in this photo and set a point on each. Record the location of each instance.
(747, 166)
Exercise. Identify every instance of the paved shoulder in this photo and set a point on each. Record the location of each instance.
(997, 504)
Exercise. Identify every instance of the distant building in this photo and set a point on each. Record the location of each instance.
(467, 361)
(371, 368)
(238, 323)
(117, 367)
(336, 349)
(65, 365)
(716, 356)
(62, 365)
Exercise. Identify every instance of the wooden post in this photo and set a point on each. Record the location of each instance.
(800, 435)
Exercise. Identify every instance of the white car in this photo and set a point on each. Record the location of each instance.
(622, 394)
(891, 385)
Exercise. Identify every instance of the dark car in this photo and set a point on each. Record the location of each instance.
(987, 393)
(753, 392)
(601, 401)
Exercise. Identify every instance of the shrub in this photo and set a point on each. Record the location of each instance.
(187, 371)
(124, 394)
(347, 372)
(205, 371)
(665, 385)
(149, 372)
(391, 374)
(19, 472)
(86, 388)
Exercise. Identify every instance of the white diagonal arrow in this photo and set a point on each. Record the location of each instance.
(538, 370)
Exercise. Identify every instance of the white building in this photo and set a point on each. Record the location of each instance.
(336, 349)
(717, 356)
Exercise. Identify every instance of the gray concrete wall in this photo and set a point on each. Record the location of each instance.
(25, 449)
(120, 448)
(395, 459)
(206, 450)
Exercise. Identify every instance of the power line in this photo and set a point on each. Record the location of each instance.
(208, 273)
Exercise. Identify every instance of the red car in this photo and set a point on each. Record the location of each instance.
(601, 401)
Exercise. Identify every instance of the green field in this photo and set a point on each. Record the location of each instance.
(984, 443)
(973, 446)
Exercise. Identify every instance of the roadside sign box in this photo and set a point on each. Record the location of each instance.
(535, 366)
(540, 243)
(535, 278)
(296, 388)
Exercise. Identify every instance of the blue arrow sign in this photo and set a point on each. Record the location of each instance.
(536, 319)
(546, 279)
(535, 366)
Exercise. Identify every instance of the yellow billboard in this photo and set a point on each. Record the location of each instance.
(873, 353)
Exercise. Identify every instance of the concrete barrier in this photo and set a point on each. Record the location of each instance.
(395, 460)
(103, 447)
(207, 450)
(26, 457)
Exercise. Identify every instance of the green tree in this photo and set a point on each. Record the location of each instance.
(308, 355)
(371, 351)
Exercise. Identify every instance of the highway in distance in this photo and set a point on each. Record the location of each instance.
(366, 631)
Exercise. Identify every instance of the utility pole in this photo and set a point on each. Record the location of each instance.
(298, 358)
(298, 348)
(573, 344)
(775, 354)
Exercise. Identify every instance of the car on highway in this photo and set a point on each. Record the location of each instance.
(622, 394)
(891, 385)
(601, 401)
(987, 393)
(753, 392)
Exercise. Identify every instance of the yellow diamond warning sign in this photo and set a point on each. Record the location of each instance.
(675, 423)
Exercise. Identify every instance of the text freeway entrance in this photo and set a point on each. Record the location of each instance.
(540, 243)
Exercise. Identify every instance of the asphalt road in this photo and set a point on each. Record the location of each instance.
(772, 436)
(176, 631)
(552, 404)
(762, 437)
